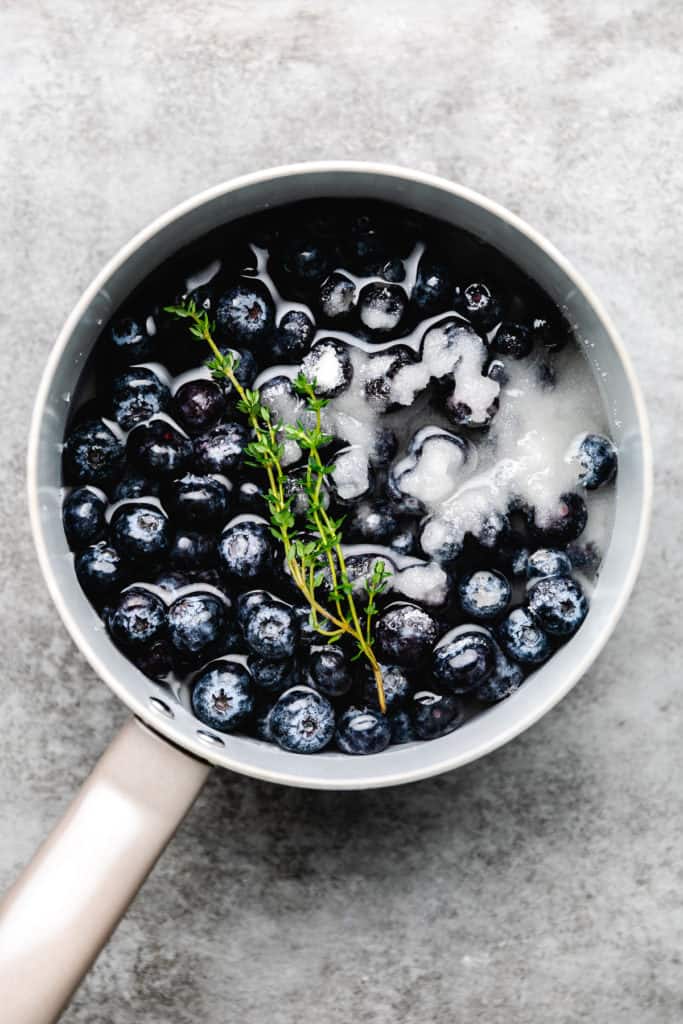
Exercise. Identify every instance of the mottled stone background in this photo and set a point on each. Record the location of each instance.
(542, 884)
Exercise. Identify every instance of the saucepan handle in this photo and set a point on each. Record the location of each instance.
(67, 902)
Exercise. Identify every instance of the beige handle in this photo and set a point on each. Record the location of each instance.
(65, 905)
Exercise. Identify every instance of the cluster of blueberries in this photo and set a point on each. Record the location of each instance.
(167, 522)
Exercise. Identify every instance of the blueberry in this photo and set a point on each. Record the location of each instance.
(513, 340)
(552, 331)
(273, 676)
(559, 604)
(159, 449)
(93, 455)
(100, 570)
(381, 307)
(246, 367)
(337, 297)
(199, 501)
(83, 517)
(329, 670)
(384, 447)
(199, 404)
(363, 731)
(464, 660)
(245, 314)
(402, 728)
(405, 634)
(523, 639)
(192, 549)
(505, 678)
(251, 498)
(221, 449)
(223, 695)
(430, 471)
(368, 246)
(328, 367)
(262, 728)
(380, 372)
(246, 550)
(247, 601)
(435, 714)
(597, 458)
(496, 371)
(135, 486)
(547, 562)
(302, 721)
(404, 542)
(137, 395)
(271, 631)
(155, 659)
(140, 532)
(306, 629)
(585, 557)
(563, 523)
(128, 342)
(518, 560)
(493, 531)
(137, 619)
(196, 625)
(393, 271)
(433, 286)
(395, 682)
(170, 581)
(293, 337)
(373, 521)
(210, 576)
(484, 594)
(295, 484)
(478, 304)
(304, 259)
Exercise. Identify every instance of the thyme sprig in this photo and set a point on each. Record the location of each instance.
(315, 552)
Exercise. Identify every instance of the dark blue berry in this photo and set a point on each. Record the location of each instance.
(137, 619)
(337, 297)
(395, 683)
(484, 594)
(247, 601)
(433, 286)
(552, 331)
(199, 501)
(245, 314)
(585, 557)
(598, 461)
(329, 670)
(493, 531)
(393, 271)
(523, 639)
(547, 562)
(83, 517)
(199, 404)
(304, 259)
(246, 367)
(368, 246)
(512, 340)
(273, 676)
(405, 634)
(404, 542)
(518, 560)
(464, 661)
(384, 447)
(559, 604)
(137, 395)
(306, 630)
(246, 550)
(159, 449)
(135, 486)
(563, 523)
(128, 342)
(302, 721)
(363, 731)
(221, 449)
(141, 533)
(192, 549)
(271, 631)
(381, 307)
(402, 728)
(478, 304)
(373, 521)
(196, 625)
(293, 337)
(251, 498)
(223, 695)
(328, 364)
(155, 659)
(100, 570)
(505, 678)
(435, 714)
(170, 581)
(93, 455)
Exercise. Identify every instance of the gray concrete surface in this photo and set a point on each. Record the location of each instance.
(544, 883)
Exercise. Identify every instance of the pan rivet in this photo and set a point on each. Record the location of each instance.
(161, 707)
(210, 739)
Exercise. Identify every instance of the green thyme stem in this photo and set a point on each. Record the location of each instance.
(267, 451)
